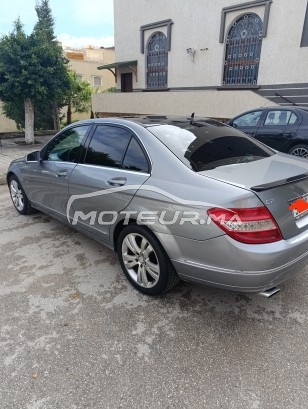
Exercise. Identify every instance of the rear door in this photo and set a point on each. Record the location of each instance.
(114, 168)
(278, 128)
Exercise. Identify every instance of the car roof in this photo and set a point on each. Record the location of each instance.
(274, 107)
(279, 107)
(287, 107)
(155, 120)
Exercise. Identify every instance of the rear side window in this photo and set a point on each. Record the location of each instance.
(203, 146)
(293, 119)
(135, 158)
(108, 146)
(280, 117)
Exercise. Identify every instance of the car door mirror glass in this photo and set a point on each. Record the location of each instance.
(33, 157)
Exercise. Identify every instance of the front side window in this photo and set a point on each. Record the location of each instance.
(202, 145)
(108, 146)
(67, 146)
(243, 50)
(250, 119)
(157, 61)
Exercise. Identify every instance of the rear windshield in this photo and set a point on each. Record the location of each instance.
(209, 144)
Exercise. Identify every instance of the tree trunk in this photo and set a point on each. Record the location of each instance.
(56, 119)
(69, 113)
(29, 121)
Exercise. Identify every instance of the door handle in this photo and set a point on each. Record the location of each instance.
(61, 173)
(117, 181)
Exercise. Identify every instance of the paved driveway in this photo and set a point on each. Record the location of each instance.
(75, 334)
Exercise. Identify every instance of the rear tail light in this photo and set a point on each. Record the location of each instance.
(253, 225)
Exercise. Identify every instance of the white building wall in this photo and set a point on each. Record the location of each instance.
(197, 25)
(208, 103)
(283, 61)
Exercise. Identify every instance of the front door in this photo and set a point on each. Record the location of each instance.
(127, 82)
(47, 181)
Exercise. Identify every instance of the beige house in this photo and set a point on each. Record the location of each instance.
(6, 124)
(85, 62)
(215, 58)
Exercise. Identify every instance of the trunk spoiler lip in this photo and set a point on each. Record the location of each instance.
(272, 185)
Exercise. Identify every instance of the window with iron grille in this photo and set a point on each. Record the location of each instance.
(243, 49)
(157, 61)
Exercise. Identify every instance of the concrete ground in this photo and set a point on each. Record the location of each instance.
(75, 334)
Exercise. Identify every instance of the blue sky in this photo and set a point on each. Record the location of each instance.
(78, 23)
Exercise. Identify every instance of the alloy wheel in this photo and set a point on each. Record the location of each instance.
(17, 195)
(140, 260)
(300, 151)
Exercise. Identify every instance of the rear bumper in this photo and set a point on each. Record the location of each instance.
(245, 281)
(225, 263)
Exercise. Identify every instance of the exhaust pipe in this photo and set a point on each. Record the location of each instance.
(270, 292)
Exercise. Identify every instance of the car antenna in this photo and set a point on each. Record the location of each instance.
(286, 99)
(192, 117)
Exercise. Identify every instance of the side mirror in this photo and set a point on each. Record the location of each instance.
(33, 157)
(233, 124)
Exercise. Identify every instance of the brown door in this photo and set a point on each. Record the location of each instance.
(127, 82)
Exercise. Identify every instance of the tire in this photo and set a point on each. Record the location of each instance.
(144, 261)
(299, 150)
(18, 196)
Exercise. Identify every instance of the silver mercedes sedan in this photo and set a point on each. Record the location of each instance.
(176, 198)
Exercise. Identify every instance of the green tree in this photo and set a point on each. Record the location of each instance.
(33, 69)
(54, 63)
(15, 86)
(79, 96)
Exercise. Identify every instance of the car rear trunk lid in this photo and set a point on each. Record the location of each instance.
(280, 182)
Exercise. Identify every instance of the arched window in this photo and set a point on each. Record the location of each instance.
(243, 49)
(157, 61)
